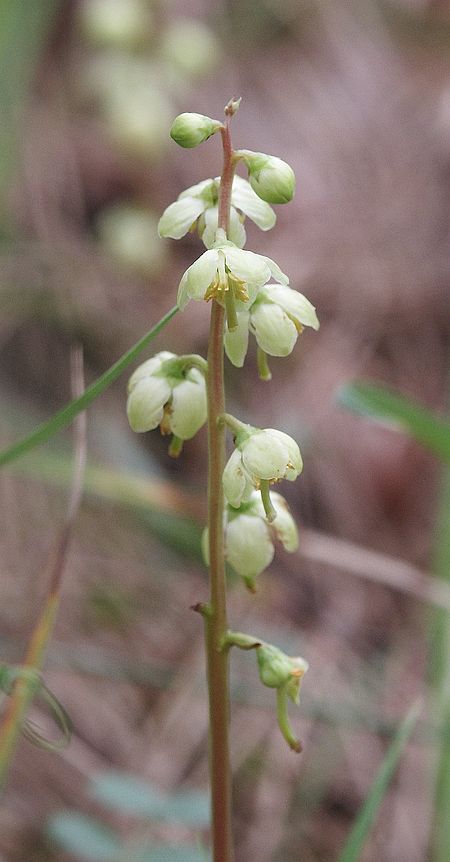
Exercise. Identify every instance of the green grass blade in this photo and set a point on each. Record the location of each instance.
(24, 29)
(379, 403)
(439, 669)
(361, 828)
(68, 413)
(174, 522)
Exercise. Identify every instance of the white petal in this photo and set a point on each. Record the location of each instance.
(295, 463)
(209, 233)
(274, 330)
(247, 265)
(284, 525)
(197, 278)
(179, 216)
(294, 303)
(236, 482)
(196, 375)
(149, 367)
(188, 408)
(236, 342)
(183, 296)
(245, 199)
(248, 547)
(236, 233)
(145, 405)
(276, 272)
(265, 456)
(206, 189)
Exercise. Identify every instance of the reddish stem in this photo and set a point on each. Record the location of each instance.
(216, 618)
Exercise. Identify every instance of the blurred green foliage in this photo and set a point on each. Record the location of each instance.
(127, 794)
(24, 29)
(433, 433)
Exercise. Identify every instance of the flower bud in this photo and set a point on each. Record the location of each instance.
(272, 179)
(190, 130)
(276, 670)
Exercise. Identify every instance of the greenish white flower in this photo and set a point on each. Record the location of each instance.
(278, 670)
(198, 205)
(127, 233)
(225, 272)
(136, 111)
(276, 318)
(272, 179)
(249, 539)
(190, 130)
(166, 391)
(260, 458)
(190, 47)
(123, 24)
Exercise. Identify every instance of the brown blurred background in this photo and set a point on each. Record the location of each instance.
(356, 97)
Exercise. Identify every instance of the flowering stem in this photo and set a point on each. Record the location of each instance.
(216, 619)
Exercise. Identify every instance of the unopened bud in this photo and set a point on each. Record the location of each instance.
(274, 666)
(272, 179)
(190, 130)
